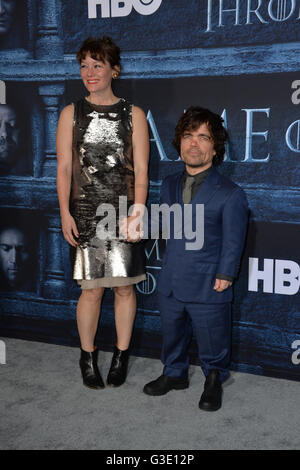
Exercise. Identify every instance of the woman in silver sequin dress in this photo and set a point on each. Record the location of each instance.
(102, 153)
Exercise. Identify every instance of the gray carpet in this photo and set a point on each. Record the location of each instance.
(45, 406)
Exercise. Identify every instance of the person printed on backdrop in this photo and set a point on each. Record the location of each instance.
(13, 27)
(9, 140)
(17, 259)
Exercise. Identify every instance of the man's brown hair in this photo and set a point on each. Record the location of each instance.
(192, 119)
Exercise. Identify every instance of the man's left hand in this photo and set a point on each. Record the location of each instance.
(221, 285)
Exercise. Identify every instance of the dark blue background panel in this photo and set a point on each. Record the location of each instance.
(177, 24)
(238, 58)
(266, 311)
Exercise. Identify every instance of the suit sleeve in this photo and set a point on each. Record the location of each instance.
(234, 228)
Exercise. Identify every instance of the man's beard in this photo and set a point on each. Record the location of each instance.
(196, 165)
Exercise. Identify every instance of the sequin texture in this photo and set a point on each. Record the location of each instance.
(102, 171)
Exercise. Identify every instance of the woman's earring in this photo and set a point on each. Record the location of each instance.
(115, 75)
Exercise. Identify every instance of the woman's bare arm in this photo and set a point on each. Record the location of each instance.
(64, 172)
(140, 143)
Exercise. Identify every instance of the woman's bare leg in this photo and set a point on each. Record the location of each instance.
(125, 310)
(88, 312)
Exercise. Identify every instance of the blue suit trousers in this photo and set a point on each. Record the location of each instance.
(211, 324)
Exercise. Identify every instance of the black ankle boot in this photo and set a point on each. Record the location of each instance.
(89, 369)
(118, 369)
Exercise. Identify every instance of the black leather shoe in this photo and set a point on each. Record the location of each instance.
(118, 369)
(164, 384)
(211, 398)
(89, 370)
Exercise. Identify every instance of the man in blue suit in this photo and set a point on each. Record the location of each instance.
(195, 286)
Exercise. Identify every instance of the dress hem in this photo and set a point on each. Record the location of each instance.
(110, 282)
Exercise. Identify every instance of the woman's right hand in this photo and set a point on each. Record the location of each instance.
(69, 229)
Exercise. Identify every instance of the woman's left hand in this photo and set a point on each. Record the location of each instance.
(131, 228)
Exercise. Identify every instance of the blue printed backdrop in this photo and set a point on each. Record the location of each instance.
(238, 58)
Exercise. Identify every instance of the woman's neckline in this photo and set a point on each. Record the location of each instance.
(103, 105)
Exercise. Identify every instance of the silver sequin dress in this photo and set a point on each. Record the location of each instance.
(102, 172)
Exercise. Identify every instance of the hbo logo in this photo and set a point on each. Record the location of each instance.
(279, 276)
(115, 8)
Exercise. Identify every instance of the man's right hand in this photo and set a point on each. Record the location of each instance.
(221, 285)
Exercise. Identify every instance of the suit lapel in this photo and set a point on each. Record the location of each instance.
(206, 191)
(208, 188)
(176, 194)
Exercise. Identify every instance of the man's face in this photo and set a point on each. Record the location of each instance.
(7, 8)
(14, 255)
(197, 149)
(9, 135)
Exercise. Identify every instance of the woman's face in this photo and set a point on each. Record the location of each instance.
(96, 75)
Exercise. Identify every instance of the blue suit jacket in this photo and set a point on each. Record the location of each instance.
(191, 274)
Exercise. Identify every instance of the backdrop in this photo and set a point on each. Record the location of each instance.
(240, 58)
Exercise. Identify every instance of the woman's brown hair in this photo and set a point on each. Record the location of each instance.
(103, 49)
